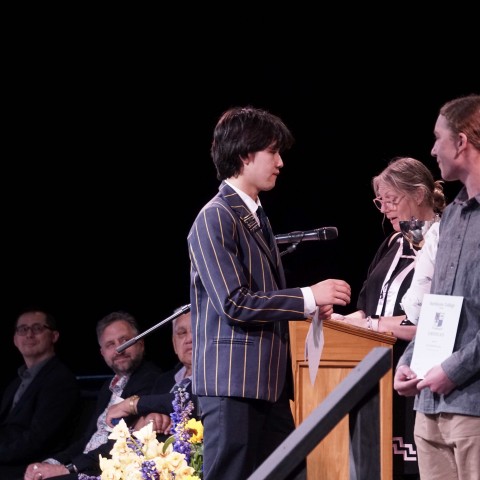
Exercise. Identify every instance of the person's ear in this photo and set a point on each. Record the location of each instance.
(249, 158)
(462, 141)
(419, 196)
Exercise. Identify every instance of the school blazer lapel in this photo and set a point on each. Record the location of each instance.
(247, 218)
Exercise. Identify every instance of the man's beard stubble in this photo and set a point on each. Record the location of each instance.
(131, 366)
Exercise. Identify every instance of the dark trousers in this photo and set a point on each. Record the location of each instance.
(239, 434)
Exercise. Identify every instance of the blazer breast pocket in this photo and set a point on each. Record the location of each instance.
(232, 341)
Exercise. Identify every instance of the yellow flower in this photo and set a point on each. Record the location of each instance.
(196, 427)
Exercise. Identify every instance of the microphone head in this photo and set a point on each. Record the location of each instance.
(324, 233)
(328, 233)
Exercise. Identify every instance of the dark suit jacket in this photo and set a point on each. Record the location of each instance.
(161, 399)
(240, 304)
(42, 421)
(141, 382)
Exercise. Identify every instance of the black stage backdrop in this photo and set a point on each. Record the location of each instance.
(109, 132)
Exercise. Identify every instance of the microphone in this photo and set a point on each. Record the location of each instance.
(323, 233)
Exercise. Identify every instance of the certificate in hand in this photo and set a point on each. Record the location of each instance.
(436, 331)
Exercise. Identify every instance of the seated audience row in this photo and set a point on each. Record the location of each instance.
(40, 408)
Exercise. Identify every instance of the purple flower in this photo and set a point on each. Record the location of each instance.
(182, 410)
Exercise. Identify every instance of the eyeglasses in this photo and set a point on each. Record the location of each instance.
(389, 204)
(36, 328)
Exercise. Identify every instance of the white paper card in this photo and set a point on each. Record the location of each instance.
(436, 331)
(314, 346)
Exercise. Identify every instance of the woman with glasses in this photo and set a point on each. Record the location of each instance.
(405, 191)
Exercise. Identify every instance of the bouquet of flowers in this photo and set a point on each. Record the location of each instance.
(140, 456)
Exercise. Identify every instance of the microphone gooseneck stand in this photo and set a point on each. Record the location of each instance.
(290, 249)
(177, 313)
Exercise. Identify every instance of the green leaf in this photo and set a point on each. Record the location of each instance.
(167, 442)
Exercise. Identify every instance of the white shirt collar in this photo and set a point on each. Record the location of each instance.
(251, 204)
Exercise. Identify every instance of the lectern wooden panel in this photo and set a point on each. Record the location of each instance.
(345, 346)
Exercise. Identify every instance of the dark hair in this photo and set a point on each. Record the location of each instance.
(244, 130)
(407, 174)
(49, 318)
(103, 323)
(463, 116)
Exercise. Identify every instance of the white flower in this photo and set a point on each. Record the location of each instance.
(139, 456)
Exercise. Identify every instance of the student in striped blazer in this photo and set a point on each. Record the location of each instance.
(240, 303)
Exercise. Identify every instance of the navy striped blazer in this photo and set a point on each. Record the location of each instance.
(239, 303)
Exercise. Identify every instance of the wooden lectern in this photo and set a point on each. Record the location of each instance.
(345, 346)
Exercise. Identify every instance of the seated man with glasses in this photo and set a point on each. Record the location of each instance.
(38, 408)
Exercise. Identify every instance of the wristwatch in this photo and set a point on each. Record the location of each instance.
(71, 468)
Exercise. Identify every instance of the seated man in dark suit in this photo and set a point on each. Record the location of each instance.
(38, 406)
(134, 375)
(157, 406)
